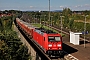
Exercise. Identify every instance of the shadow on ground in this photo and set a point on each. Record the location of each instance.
(82, 42)
(69, 49)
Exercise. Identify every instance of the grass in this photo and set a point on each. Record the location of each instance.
(38, 25)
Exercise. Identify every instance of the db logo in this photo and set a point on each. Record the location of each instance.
(54, 45)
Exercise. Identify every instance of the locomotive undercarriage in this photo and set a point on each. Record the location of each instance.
(54, 52)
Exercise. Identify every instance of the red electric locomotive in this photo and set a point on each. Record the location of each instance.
(48, 40)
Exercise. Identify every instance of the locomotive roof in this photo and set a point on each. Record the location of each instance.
(43, 30)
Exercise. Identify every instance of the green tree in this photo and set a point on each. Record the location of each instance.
(71, 24)
(66, 12)
(66, 21)
(1, 25)
(10, 46)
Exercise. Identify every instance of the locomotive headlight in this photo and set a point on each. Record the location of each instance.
(50, 45)
(59, 45)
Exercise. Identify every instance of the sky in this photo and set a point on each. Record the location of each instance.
(43, 5)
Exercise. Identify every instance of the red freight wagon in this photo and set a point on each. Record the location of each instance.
(25, 27)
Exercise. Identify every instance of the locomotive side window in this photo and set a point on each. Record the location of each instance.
(53, 38)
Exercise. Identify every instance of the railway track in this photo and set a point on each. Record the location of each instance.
(65, 32)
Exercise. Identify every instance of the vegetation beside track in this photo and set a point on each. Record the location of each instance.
(11, 48)
(72, 21)
(46, 27)
(41, 25)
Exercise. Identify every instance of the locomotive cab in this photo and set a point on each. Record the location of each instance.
(50, 41)
(53, 43)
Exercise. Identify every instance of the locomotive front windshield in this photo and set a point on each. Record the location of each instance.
(54, 38)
